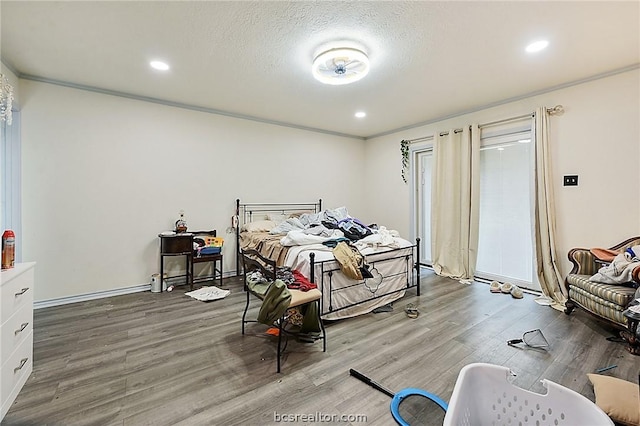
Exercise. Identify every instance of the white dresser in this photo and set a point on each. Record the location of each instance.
(16, 331)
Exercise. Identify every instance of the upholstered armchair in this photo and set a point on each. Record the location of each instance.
(606, 301)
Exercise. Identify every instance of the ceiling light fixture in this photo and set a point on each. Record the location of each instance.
(159, 65)
(537, 46)
(361, 114)
(340, 66)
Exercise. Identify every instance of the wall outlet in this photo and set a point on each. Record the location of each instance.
(571, 180)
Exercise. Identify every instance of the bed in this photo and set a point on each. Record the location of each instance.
(392, 261)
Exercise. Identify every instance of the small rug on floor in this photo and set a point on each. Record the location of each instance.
(206, 294)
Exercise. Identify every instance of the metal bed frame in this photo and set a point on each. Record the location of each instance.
(322, 272)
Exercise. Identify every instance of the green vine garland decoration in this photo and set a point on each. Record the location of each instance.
(404, 150)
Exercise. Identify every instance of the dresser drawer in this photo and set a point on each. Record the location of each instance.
(15, 371)
(16, 290)
(14, 331)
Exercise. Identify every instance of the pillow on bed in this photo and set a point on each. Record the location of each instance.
(259, 226)
(618, 398)
(277, 217)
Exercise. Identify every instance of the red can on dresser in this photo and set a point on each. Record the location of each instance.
(8, 249)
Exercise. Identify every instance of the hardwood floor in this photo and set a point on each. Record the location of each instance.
(167, 359)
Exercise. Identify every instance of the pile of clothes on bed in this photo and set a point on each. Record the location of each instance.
(344, 234)
(332, 224)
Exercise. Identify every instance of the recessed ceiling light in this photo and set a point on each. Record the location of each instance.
(537, 46)
(524, 140)
(159, 65)
(340, 66)
(501, 149)
(361, 114)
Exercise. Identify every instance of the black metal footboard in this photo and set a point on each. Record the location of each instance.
(393, 270)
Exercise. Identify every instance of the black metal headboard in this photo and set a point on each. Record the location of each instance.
(248, 212)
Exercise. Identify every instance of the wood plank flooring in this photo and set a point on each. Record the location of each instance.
(167, 359)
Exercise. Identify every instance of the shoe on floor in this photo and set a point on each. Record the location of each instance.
(494, 287)
(411, 311)
(506, 288)
(516, 292)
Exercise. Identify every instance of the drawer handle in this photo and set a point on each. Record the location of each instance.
(22, 327)
(21, 292)
(23, 361)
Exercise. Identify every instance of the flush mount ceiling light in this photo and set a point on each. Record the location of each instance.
(537, 46)
(159, 65)
(360, 114)
(340, 66)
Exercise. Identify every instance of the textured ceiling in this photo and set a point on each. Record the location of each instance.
(429, 59)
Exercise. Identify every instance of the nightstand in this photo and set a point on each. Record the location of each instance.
(177, 245)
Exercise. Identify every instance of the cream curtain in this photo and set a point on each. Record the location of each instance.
(545, 233)
(454, 203)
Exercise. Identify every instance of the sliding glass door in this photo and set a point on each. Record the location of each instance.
(505, 246)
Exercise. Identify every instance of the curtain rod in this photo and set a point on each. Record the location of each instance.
(556, 110)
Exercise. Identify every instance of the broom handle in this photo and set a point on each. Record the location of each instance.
(370, 382)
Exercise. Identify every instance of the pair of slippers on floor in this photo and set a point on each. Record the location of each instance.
(515, 291)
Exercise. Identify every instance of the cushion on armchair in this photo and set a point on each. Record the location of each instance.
(605, 300)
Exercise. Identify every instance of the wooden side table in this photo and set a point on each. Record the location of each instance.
(177, 245)
(630, 335)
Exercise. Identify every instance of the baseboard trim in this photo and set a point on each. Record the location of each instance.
(90, 296)
(100, 294)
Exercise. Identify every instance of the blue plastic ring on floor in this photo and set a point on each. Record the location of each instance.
(399, 396)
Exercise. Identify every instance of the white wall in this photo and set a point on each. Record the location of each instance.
(598, 138)
(103, 175)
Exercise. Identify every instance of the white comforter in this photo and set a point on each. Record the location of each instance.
(381, 237)
(298, 237)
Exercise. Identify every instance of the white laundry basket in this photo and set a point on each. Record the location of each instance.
(484, 396)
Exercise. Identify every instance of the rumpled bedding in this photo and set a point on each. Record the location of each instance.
(299, 237)
(311, 220)
(307, 229)
(622, 268)
(266, 244)
(382, 237)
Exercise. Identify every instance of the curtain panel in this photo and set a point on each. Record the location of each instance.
(455, 203)
(544, 230)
